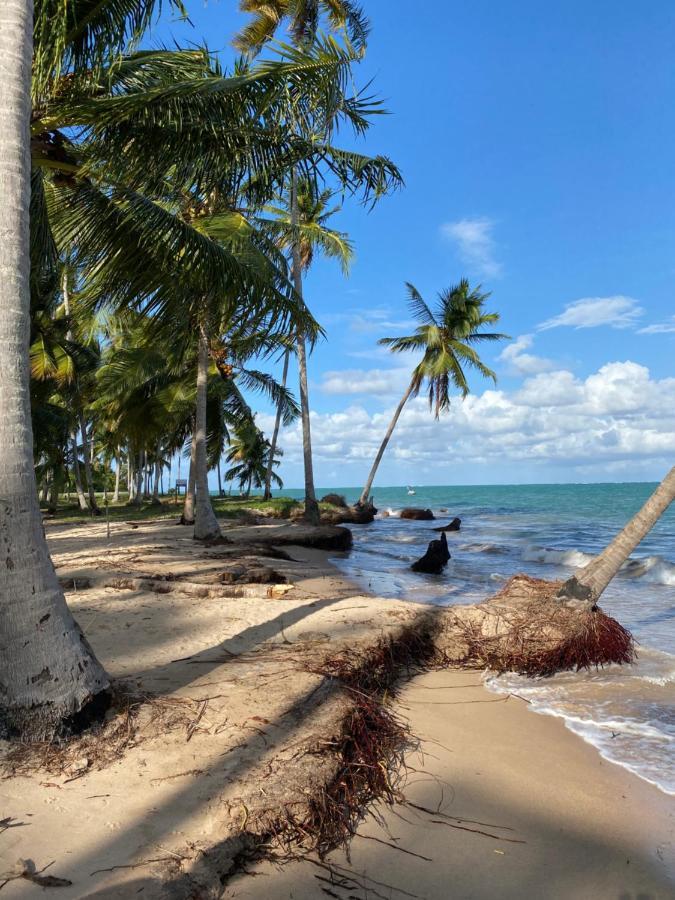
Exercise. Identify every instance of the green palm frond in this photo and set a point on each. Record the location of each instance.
(445, 337)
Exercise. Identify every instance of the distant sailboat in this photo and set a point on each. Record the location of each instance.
(411, 491)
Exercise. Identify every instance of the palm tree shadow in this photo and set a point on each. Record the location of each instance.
(180, 673)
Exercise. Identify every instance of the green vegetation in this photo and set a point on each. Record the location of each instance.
(169, 508)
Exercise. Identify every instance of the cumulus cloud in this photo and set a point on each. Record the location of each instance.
(523, 363)
(616, 416)
(590, 312)
(667, 327)
(378, 382)
(476, 246)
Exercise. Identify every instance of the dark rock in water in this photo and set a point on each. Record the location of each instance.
(451, 526)
(435, 559)
(420, 515)
(334, 500)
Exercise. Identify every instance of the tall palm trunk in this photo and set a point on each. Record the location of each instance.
(86, 451)
(138, 481)
(47, 670)
(365, 493)
(86, 457)
(220, 480)
(77, 475)
(73, 437)
(130, 487)
(206, 524)
(312, 513)
(188, 516)
(116, 494)
(158, 468)
(52, 495)
(275, 435)
(590, 582)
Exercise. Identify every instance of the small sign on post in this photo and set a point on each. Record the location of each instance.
(180, 483)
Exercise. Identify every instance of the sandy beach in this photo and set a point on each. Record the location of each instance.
(227, 727)
(499, 802)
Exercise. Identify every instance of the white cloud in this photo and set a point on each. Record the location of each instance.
(475, 243)
(667, 327)
(590, 312)
(378, 382)
(523, 363)
(616, 417)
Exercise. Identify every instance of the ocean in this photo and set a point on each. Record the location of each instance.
(626, 712)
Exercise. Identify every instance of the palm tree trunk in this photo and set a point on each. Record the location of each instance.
(158, 466)
(52, 495)
(188, 516)
(220, 480)
(47, 670)
(130, 487)
(77, 475)
(88, 475)
(116, 494)
(312, 514)
(365, 493)
(589, 583)
(138, 490)
(277, 425)
(206, 524)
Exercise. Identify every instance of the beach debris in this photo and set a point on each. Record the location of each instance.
(525, 629)
(451, 526)
(435, 559)
(318, 537)
(417, 514)
(251, 574)
(26, 869)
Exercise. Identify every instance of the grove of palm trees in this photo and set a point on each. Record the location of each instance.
(188, 684)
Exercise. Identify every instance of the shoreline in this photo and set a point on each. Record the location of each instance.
(236, 708)
(488, 775)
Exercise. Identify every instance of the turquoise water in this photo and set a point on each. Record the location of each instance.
(628, 713)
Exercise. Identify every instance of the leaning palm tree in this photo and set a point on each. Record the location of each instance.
(588, 583)
(446, 336)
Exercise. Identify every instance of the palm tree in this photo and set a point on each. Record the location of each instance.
(588, 584)
(47, 669)
(446, 336)
(303, 18)
(311, 233)
(250, 454)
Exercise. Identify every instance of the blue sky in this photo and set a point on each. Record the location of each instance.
(538, 147)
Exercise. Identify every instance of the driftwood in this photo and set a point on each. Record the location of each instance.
(435, 559)
(451, 526)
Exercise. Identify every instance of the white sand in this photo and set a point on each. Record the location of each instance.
(589, 828)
